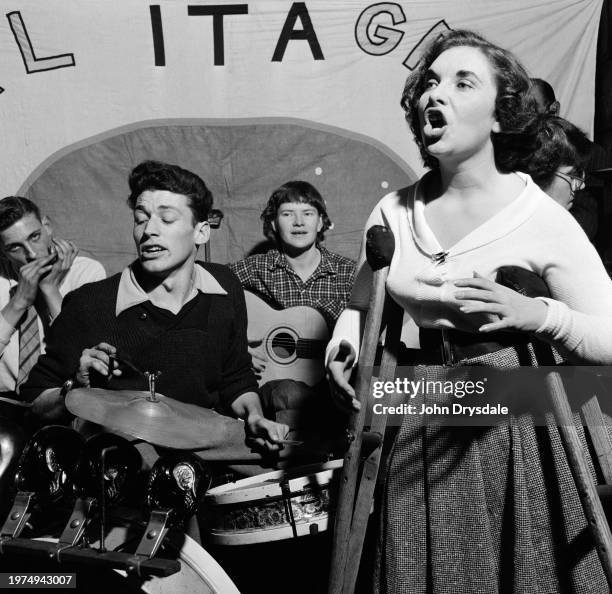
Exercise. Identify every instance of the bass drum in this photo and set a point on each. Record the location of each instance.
(199, 573)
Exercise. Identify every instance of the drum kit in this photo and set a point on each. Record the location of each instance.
(81, 505)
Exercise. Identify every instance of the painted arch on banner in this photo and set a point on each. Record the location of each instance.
(248, 94)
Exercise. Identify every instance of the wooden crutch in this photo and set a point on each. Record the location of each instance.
(394, 315)
(350, 469)
(584, 482)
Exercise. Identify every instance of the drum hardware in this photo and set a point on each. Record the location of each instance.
(178, 482)
(152, 378)
(104, 477)
(47, 465)
(91, 557)
(71, 549)
(17, 517)
(286, 491)
(104, 464)
(154, 534)
(74, 530)
(43, 479)
(107, 470)
(130, 551)
(215, 216)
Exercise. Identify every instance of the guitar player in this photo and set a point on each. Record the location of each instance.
(299, 271)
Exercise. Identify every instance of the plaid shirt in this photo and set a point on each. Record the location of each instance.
(327, 289)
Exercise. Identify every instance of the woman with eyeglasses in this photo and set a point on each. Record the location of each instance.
(484, 509)
(557, 163)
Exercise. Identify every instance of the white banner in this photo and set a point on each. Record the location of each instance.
(88, 75)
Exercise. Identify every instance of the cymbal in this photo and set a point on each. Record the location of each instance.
(166, 422)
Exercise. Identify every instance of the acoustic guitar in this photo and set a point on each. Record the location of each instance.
(293, 339)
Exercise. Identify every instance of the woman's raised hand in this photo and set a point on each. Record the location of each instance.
(508, 309)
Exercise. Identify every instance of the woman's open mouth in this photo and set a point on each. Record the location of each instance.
(435, 124)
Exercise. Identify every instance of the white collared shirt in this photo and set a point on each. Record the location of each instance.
(130, 293)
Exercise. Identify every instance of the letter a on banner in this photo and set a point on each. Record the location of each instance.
(298, 11)
(31, 62)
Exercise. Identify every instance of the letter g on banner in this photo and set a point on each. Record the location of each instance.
(377, 39)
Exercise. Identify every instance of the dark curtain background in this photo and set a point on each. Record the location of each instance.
(600, 184)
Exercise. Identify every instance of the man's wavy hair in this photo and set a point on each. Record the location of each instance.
(514, 105)
(294, 191)
(155, 175)
(14, 208)
(558, 144)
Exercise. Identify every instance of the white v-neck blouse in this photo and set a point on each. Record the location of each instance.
(533, 232)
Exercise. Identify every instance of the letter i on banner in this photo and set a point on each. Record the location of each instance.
(159, 50)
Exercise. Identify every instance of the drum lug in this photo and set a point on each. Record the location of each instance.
(18, 516)
(286, 493)
(153, 536)
(75, 527)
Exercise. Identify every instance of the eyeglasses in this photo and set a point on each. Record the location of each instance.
(575, 182)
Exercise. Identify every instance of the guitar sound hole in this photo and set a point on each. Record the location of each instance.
(283, 345)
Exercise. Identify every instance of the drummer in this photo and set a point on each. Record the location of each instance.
(165, 313)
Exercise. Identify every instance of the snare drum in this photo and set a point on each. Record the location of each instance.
(273, 506)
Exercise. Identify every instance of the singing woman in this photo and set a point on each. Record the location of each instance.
(479, 509)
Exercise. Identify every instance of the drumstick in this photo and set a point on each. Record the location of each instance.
(15, 402)
(292, 442)
(126, 362)
(350, 469)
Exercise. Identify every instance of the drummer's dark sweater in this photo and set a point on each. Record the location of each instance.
(201, 351)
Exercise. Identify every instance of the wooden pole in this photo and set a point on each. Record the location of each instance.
(348, 480)
(582, 476)
(363, 503)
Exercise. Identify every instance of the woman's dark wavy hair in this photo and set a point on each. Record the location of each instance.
(558, 144)
(294, 191)
(514, 105)
(155, 175)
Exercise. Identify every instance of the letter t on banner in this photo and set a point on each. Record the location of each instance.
(217, 11)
